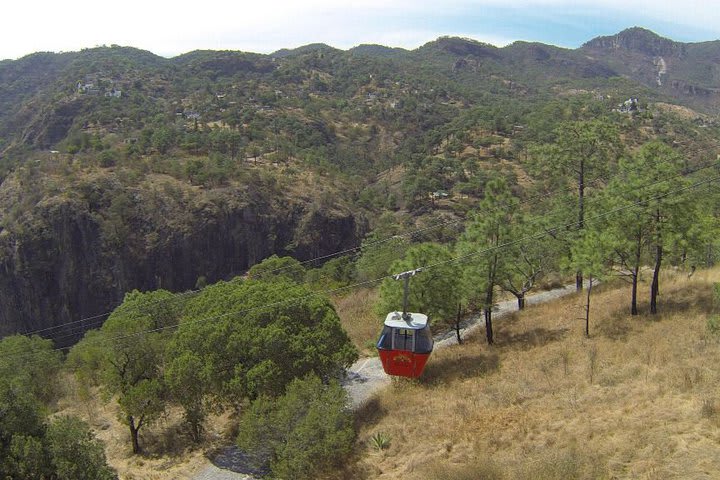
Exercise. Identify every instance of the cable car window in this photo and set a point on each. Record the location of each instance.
(403, 339)
(385, 341)
(423, 341)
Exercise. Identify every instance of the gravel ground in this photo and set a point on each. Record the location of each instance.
(366, 377)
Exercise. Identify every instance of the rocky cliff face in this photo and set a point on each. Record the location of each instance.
(75, 254)
(638, 40)
(688, 72)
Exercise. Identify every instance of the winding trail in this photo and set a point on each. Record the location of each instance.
(366, 376)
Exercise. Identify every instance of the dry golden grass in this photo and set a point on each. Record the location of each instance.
(638, 399)
(168, 452)
(359, 319)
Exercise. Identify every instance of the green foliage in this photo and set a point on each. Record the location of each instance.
(29, 448)
(129, 352)
(380, 441)
(275, 267)
(592, 254)
(713, 321)
(244, 339)
(76, 454)
(380, 249)
(654, 213)
(32, 362)
(529, 255)
(187, 378)
(713, 324)
(271, 332)
(434, 292)
(21, 431)
(483, 261)
(305, 431)
(335, 273)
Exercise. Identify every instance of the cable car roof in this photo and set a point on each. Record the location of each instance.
(417, 321)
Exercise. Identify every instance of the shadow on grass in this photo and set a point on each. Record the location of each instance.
(369, 413)
(457, 363)
(617, 327)
(173, 442)
(680, 301)
(533, 338)
(620, 324)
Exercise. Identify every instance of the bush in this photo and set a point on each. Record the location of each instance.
(306, 431)
(76, 454)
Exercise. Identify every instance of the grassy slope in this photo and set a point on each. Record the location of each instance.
(639, 399)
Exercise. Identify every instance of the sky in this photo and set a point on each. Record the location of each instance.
(169, 28)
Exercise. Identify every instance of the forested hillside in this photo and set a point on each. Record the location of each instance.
(121, 169)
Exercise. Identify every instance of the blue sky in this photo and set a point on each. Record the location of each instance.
(170, 28)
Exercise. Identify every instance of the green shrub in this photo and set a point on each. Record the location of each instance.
(380, 441)
(306, 431)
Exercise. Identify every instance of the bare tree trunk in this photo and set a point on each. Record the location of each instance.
(489, 300)
(488, 325)
(457, 324)
(635, 276)
(581, 216)
(655, 286)
(134, 434)
(587, 307)
(633, 295)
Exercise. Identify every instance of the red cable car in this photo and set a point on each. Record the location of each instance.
(405, 342)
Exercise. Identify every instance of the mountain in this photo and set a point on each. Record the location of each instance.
(687, 72)
(120, 169)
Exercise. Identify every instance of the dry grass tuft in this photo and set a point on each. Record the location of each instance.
(638, 399)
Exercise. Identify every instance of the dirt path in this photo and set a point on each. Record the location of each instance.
(366, 377)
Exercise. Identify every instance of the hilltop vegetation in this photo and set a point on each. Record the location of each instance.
(119, 166)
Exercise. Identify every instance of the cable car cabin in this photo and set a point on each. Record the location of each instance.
(405, 344)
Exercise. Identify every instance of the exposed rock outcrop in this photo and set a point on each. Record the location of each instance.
(75, 254)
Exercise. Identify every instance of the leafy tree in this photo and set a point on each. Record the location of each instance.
(278, 267)
(28, 457)
(186, 378)
(380, 249)
(21, 431)
(129, 351)
(33, 362)
(671, 212)
(163, 138)
(653, 213)
(434, 291)
(252, 338)
(527, 260)
(593, 255)
(306, 431)
(582, 151)
(76, 454)
(334, 273)
(481, 248)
